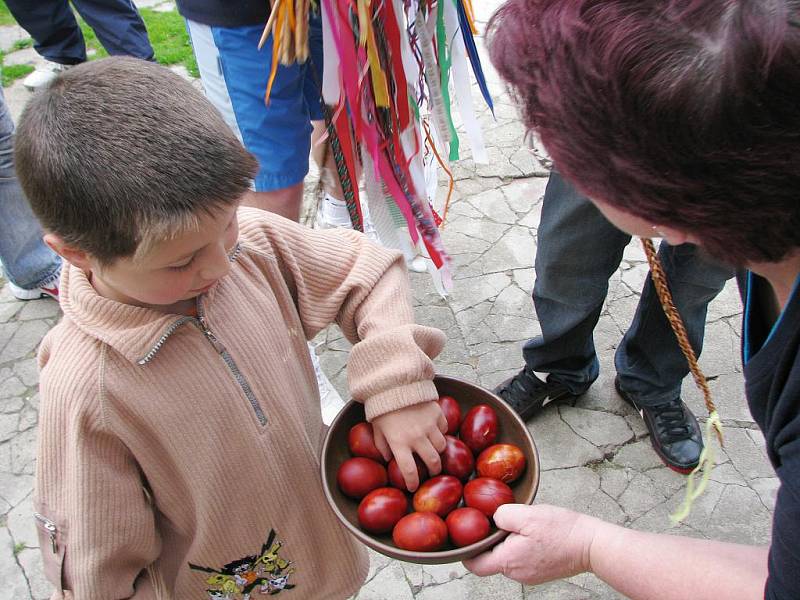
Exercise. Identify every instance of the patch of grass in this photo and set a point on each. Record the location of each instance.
(13, 72)
(5, 15)
(168, 36)
(167, 31)
(21, 44)
(19, 547)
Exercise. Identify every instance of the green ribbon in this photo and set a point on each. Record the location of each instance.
(444, 65)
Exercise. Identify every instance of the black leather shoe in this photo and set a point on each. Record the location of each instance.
(674, 431)
(527, 394)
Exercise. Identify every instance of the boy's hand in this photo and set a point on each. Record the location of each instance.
(419, 428)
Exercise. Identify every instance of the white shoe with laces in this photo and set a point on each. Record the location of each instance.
(44, 75)
(330, 402)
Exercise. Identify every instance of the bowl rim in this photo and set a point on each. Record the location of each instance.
(439, 556)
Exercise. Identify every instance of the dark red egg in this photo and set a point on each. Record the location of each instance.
(479, 428)
(457, 459)
(396, 477)
(487, 494)
(467, 525)
(361, 442)
(452, 412)
(420, 532)
(505, 462)
(439, 495)
(358, 476)
(381, 509)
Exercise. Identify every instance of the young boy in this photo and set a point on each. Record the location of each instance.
(180, 425)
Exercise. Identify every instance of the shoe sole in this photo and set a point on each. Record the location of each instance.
(678, 469)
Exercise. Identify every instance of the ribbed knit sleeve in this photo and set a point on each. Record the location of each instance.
(88, 485)
(339, 275)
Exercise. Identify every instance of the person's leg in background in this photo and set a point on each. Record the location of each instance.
(118, 25)
(52, 25)
(577, 252)
(31, 267)
(331, 210)
(58, 38)
(650, 364)
(234, 75)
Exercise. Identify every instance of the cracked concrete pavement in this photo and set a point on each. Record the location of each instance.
(596, 455)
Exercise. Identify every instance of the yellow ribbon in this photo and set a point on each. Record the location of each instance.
(708, 459)
(379, 83)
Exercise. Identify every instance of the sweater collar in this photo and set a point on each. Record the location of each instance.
(133, 331)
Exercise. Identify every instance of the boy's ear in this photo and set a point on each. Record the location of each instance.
(79, 258)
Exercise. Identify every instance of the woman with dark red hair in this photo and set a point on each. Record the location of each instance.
(680, 117)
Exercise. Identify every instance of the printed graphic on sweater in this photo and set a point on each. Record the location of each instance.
(263, 573)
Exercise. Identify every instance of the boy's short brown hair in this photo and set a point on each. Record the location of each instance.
(119, 151)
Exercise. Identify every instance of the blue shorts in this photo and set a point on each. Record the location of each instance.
(235, 72)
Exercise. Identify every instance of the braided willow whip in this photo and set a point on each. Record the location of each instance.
(707, 458)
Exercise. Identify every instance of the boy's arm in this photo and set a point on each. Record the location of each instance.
(90, 489)
(339, 275)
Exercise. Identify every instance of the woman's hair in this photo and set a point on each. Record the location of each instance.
(682, 112)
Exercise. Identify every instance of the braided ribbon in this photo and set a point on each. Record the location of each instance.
(713, 424)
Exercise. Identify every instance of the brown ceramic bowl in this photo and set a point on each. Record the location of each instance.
(511, 430)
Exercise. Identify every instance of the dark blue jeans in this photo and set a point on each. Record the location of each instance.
(58, 38)
(578, 250)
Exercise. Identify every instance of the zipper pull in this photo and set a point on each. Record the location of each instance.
(51, 530)
(210, 336)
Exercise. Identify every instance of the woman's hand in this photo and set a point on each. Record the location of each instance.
(546, 543)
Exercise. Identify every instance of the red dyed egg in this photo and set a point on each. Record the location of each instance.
(396, 477)
(452, 412)
(361, 442)
(457, 459)
(358, 476)
(467, 525)
(381, 509)
(505, 462)
(487, 494)
(420, 532)
(479, 428)
(439, 495)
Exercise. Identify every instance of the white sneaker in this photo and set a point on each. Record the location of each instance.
(330, 402)
(417, 264)
(44, 75)
(332, 213)
(48, 291)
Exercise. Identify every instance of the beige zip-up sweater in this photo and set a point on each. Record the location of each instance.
(218, 416)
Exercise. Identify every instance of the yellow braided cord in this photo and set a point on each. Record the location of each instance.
(708, 460)
(713, 425)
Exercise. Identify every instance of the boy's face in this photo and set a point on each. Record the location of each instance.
(174, 270)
